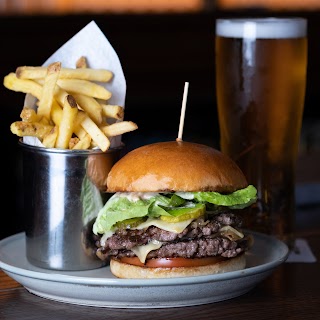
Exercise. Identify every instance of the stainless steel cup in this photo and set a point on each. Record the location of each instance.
(63, 190)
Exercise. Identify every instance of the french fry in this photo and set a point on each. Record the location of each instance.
(95, 133)
(82, 63)
(44, 120)
(72, 142)
(91, 106)
(69, 114)
(77, 128)
(93, 144)
(100, 75)
(47, 96)
(56, 114)
(83, 143)
(34, 129)
(25, 86)
(85, 87)
(111, 111)
(71, 110)
(29, 115)
(60, 95)
(118, 128)
(49, 140)
(11, 82)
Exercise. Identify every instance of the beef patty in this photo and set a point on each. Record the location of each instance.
(201, 238)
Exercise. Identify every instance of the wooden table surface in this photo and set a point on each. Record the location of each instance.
(292, 291)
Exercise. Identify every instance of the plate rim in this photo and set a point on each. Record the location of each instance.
(68, 277)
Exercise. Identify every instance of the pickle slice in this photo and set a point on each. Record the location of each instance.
(130, 223)
(182, 214)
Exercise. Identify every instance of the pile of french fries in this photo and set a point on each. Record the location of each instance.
(72, 109)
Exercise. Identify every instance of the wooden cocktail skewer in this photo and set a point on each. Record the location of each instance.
(183, 111)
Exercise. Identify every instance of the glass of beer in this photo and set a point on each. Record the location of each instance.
(261, 67)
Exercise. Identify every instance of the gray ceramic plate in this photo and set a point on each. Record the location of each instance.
(100, 288)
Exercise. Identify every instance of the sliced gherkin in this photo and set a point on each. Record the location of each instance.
(130, 223)
(182, 214)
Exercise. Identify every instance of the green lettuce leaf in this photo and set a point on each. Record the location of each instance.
(91, 200)
(120, 208)
(238, 198)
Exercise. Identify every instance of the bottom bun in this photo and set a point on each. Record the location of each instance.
(129, 271)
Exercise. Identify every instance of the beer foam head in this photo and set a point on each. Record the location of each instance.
(262, 28)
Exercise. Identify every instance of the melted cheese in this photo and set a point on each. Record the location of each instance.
(105, 236)
(142, 251)
(175, 227)
(231, 233)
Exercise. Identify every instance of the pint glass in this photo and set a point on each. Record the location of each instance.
(260, 85)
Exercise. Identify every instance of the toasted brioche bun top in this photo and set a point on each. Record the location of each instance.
(175, 166)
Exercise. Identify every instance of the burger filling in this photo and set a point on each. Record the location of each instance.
(189, 225)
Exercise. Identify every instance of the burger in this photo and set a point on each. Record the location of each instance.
(174, 212)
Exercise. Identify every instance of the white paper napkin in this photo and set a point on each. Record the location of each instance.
(301, 252)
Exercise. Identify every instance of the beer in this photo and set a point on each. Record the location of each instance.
(260, 85)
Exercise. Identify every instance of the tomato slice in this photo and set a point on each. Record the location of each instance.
(172, 262)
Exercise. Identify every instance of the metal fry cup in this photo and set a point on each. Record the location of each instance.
(63, 191)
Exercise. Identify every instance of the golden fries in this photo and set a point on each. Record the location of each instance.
(99, 75)
(84, 87)
(114, 112)
(73, 141)
(60, 95)
(71, 109)
(118, 128)
(91, 106)
(29, 115)
(26, 86)
(96, 134)
(69, 114)
(45, 103)
(83, 143)
(77, 128)
(56, 114)
(49, 140)
(34, 129)
(82, 63)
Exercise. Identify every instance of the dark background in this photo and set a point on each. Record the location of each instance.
(159, 53)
